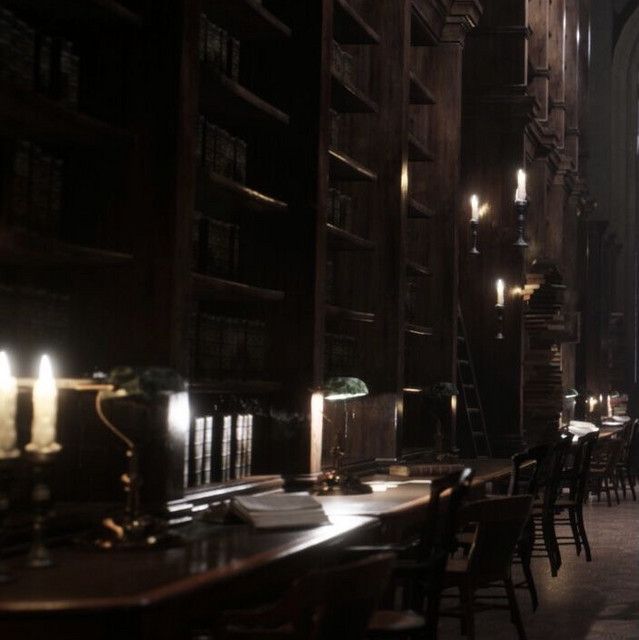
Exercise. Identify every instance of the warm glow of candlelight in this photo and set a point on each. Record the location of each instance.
(500, 292)
(45, 410)
(592, 403)
(474, 208)
(8, 404)
(520, 194)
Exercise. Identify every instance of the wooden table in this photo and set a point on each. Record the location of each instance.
(404, 494)
(153, 593)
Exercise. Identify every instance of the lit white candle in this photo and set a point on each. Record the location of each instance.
(45, 410)
(520, 194)
(609, 405)
(592, 403)
(500, 293)
(8, 402)
(474, 208)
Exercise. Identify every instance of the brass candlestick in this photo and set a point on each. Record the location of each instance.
(521, 207)
(7, 472)
(41, 462)
(499, 309)
(474, 227)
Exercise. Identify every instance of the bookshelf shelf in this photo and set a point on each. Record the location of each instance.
(417, 210)
(246, 19)
(76, 14)
(421, 34)
(416, 269)
(25, 113)
(418, 330)
(419, 92)
(346, 98)
(221, 289)
(417, 150)
(230, 103)
(342, 240)
(235, 386)
(349, 26)
(17, 247)
(342, 167)
(226, 192)
(342, 313)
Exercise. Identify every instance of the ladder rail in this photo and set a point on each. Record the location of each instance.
(464, 386)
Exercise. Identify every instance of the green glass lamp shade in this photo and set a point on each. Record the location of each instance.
(342, 388)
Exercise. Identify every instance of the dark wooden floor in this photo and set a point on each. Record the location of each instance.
(587, 601)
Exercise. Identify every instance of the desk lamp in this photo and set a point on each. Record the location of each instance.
(334, 482)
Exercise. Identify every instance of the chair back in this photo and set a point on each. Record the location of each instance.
(349, 595)
(581, 465)
(536, 455)
(633, 447)
(499, 523)
(551, 476)
(607, 454)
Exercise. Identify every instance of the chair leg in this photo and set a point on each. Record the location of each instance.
(579, 516)
(432, 616)
(467, 596)
(615, 485)
(550, 540)
(622, 482)
(514, 609)
(530, 581)
(631, 484)
(575, 530)
(607, 490)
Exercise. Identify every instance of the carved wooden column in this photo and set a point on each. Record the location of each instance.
(556, 63)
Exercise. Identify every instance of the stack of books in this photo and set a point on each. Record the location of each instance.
(279, 511)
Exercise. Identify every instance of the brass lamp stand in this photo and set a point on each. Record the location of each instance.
(334, 481)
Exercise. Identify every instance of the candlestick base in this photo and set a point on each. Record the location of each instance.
(499, 310)
(41, 459)
(119, 533)
(521, 206)
(474, 225)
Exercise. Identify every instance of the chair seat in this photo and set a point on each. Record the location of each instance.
(456, 566)
(395, 622)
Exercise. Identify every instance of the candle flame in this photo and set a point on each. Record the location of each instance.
(46, 370)
(474, 201)
(5, 367)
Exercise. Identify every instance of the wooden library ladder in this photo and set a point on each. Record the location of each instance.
(474, 423)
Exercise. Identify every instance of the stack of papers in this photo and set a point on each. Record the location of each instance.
(280, 511)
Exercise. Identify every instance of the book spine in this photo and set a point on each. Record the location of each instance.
(188, 436)
(198, 451)
(21, 180)
(226, 448)
(249, 445)
(208, 450)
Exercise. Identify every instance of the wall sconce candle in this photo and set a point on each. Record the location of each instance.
(521, 206)
(8, 404)
(474, 222)
(45, 411)
(499, 309)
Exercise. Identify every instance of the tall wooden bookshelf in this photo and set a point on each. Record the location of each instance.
(331, 102)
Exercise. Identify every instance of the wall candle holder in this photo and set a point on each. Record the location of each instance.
(41, 461)
(7, 472)
(499, 310)
(521, 207)
(474, 226)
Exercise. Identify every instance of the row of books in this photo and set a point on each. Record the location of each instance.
(223, 346)
(215, 246)
(32, 187)
(217, 151)
(339, 354)
(218, 49)
(33, 317)
(340, 209)
(38, 61)
(219, 449)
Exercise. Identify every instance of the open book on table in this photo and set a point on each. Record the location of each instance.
(279, 511)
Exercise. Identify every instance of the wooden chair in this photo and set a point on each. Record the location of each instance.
(624, 469)
(419, 571)
(332, 603)
(603, 475)
(571, 506)
(499, 522)
(526, 480)
(544, 511)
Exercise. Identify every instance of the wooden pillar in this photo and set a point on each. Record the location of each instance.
(556, 64)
